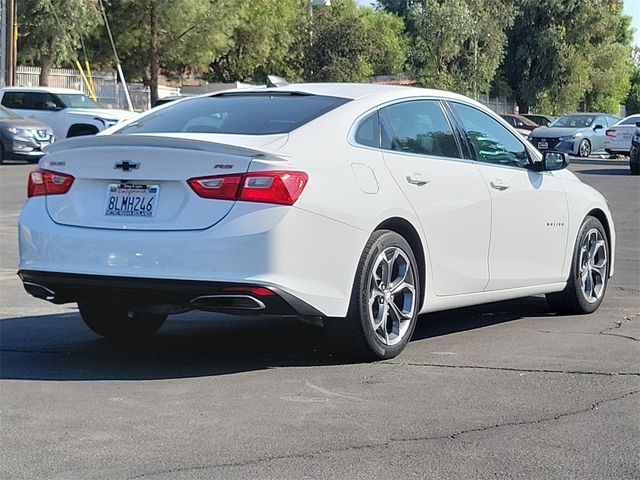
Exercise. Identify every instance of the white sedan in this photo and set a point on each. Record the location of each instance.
(617, 139)
(354, 206)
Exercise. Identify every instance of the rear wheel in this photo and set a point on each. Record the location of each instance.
(635, 168)
(589, 272)
(384, 303)
(584, 148)
(119, 322)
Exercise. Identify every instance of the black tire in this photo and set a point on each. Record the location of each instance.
(1, 154)
(118, 322)
(584, 148)
(634, 168)
(355, 335)
(572, 300)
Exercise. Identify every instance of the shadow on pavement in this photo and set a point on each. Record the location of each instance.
(607, 171)
(61, 348)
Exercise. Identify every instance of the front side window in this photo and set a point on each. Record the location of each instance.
(241, 113)
(490, 140)
(420, 127)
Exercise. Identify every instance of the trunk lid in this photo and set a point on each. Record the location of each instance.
(139, 182)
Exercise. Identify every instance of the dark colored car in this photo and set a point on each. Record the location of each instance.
(518, 121)
(542, 120)
(22, 138)
(634, 154)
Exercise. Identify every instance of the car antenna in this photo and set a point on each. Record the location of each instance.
(275, 81)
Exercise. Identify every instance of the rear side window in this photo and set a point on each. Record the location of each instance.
(368, 132)
(238, 113)
(420, 127)
(21, 100)
(631, 120)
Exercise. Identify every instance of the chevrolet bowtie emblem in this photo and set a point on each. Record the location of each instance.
(126, 166)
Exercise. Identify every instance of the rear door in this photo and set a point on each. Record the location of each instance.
(446, 191)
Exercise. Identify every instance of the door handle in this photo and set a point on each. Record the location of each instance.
(499, 184)
(417, 179)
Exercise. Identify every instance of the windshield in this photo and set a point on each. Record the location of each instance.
(6, 114)
(242, 113)
(73, 100)
(573, 121)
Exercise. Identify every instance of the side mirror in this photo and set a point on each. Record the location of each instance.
(638, 124)
(49, 105)
(554, 161)
(598, 127)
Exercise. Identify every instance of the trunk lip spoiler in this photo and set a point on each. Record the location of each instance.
(157, 141)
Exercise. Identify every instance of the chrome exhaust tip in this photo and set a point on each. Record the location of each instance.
(39, 291)
(218, 303)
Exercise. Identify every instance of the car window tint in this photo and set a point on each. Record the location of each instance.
(21, 100)
(491, 142)
(261, 113)
(630, 120)
(418, 127)
(368, 132)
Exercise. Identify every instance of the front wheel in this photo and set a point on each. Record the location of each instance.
(584, 148)
(384, 303)
(589, 272)
(119, 322)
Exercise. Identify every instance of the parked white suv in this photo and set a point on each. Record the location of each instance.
(70, 113)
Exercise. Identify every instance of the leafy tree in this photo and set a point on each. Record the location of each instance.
(455, 44)
(154, 35)
(267, 39)
(562, 55)
(350, 43)
(633, 98)
(51, 31)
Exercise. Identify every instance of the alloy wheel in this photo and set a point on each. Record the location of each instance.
(391, 295)
(592, 263)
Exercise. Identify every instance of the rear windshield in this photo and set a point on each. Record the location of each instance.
(630, 120)
(237, 113)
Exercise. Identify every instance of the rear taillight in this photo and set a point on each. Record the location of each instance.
(610, 133)
(279, 187)
(46, 182)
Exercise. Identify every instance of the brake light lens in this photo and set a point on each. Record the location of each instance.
(281, 187)
(610, 133)
(46, 182)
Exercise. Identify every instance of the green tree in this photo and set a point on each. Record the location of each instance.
(166, 35)
(266, 40)
(632, 102)
(50, 31)
(350, 44)
(455, 44)
(564, 55)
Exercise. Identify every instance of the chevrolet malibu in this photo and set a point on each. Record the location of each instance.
(354, 206)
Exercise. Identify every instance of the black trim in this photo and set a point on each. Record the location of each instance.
(70, 287)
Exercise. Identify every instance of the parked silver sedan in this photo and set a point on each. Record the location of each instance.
(617, 140)
(575, 133)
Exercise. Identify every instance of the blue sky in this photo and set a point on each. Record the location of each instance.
(631, 8)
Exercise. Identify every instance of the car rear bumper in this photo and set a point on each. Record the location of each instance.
(172, 295)
(306, 255)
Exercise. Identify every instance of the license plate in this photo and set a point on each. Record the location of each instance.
(543, 145)
(131, 200)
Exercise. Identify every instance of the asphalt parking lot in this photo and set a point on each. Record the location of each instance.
(506, 390)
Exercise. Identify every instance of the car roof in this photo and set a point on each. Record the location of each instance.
(589, 113)
(353, 91)
(42, 90)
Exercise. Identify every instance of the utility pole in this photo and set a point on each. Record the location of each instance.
(8, 41)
